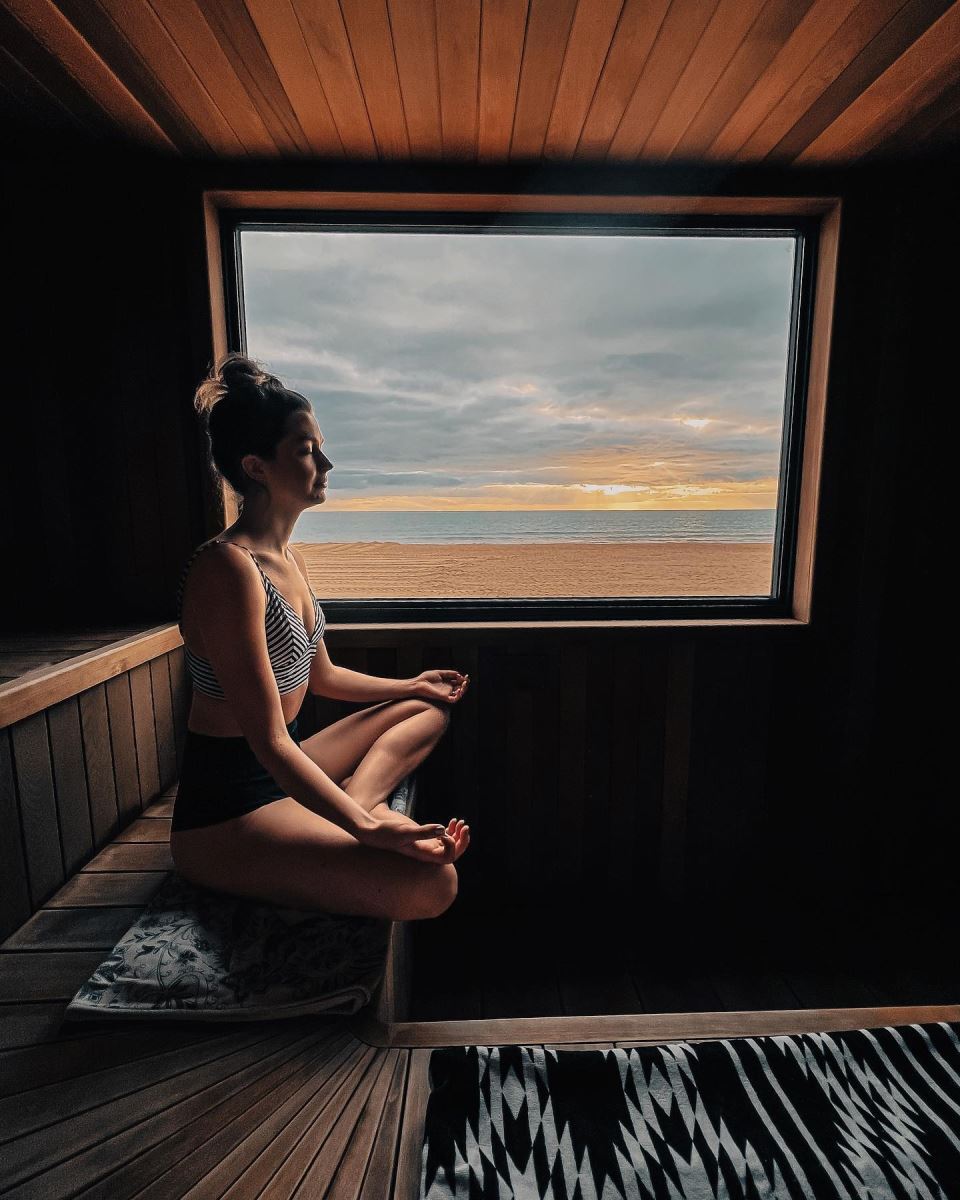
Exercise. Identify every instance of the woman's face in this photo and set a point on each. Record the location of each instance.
(299, 469)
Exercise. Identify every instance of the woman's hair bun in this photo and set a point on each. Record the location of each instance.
(235, 374)
(237, 370)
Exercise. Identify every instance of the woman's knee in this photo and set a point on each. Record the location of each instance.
(432, 896)
(417, 704)
(441, 713)
(414, 707)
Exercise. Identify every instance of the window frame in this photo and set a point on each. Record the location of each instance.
(813, 220)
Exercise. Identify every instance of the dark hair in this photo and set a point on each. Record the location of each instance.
(243, 410)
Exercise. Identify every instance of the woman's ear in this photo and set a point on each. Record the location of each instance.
(253, 467)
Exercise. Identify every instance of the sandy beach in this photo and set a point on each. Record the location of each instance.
(395, 570)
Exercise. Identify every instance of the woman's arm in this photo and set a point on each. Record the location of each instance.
(340, 683)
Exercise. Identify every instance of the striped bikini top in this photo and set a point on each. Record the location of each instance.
(290, 647)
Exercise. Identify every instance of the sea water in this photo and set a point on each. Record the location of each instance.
(538, 525)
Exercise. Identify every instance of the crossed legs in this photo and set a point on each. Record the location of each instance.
(286, 854)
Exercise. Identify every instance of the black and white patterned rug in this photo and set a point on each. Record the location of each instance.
(864, 1114)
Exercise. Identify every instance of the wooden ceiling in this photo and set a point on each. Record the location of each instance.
(779, 81)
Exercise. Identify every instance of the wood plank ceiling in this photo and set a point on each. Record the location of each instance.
(785, 81)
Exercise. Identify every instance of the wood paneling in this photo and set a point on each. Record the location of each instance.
(70, 780)
(101, 785)
(907, 82)
(486, 80)
(75, 74)
(740, 91)
(238, 35)
(145, 733)
(74, 775)
(15, 899)
(725, 33)
(633, 773)
(365, 49)
(163, 718)
(123, 748)
(38, 807)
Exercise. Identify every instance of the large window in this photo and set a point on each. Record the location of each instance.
(539, 416)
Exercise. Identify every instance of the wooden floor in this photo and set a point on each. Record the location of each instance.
(312, 1106)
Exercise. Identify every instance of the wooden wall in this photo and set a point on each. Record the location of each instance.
(746, 771)
(74, 775)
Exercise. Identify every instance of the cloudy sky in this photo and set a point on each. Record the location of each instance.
(529, 371)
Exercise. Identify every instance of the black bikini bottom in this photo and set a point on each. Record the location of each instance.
(221, 778)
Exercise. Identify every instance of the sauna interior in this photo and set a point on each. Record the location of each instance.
(690, 821)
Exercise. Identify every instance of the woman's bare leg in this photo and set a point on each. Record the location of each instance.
(287, 855)
(371, 751)
(393, 756)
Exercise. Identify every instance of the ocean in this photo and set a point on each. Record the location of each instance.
(540, 525)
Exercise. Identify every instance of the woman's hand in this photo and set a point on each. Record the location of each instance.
(429, 843)
(448, 686)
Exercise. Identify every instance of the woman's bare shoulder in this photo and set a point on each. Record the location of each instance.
(223, 568)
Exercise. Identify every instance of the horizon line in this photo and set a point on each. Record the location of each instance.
(607, 508)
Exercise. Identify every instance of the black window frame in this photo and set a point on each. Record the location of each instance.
(805, 230)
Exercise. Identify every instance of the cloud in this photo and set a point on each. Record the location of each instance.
(443, 363)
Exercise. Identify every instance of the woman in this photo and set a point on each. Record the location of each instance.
(258, 812)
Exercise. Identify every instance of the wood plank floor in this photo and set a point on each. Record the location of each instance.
(328, 1106)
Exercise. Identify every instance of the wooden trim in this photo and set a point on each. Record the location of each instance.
(225, 508)
(638, 1027)
(216, 199)
(40, 689)
(821, 335)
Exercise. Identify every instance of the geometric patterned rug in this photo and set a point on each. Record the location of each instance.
(863, 1114)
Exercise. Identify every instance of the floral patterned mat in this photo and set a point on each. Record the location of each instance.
(200, 954)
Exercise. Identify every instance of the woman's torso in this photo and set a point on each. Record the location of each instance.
(209, 714)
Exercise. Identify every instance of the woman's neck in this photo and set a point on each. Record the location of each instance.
(269, 532)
